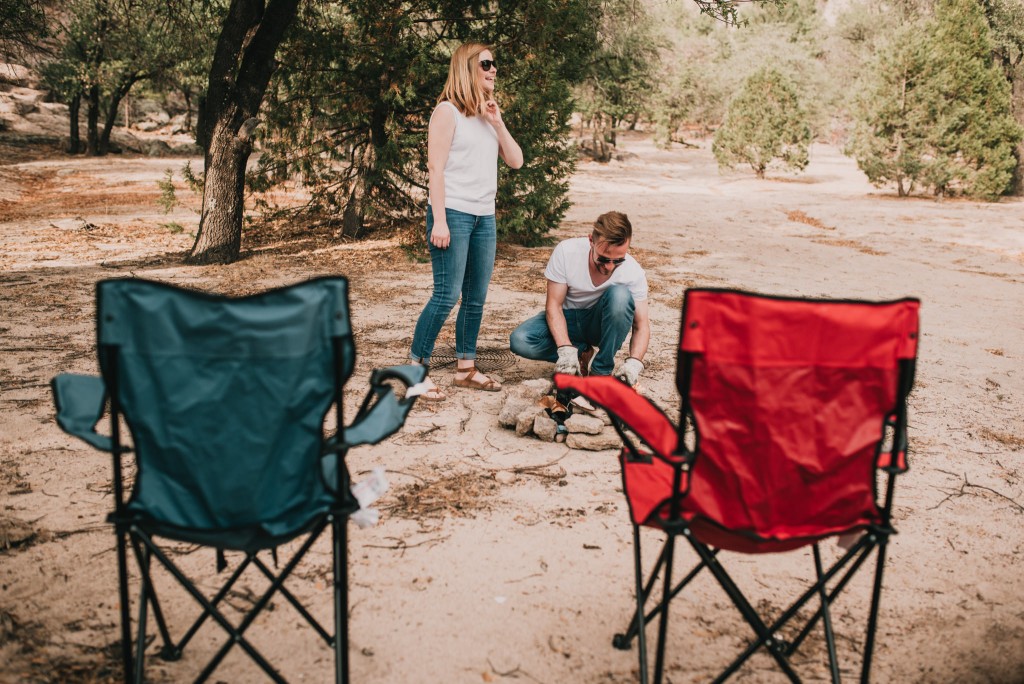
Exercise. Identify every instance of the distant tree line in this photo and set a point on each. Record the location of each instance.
(336, 95)
(926, 95)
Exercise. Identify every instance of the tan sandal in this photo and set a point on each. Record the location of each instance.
(434, 394)
(473, 381)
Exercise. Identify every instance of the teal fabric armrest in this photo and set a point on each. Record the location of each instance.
(79, 400)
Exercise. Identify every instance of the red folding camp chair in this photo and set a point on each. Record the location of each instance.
(790, 408)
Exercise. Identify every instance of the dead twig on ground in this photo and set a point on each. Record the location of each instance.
(514, 673)
(968, 484)
(403, 546)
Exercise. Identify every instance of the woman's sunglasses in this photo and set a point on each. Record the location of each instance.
(486, 64)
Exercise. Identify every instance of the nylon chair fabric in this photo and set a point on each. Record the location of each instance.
(225, 400)
(790, 409)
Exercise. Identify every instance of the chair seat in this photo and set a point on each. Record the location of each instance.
(649, 486)
(248, 538)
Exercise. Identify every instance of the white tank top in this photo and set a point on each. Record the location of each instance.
(471, 173)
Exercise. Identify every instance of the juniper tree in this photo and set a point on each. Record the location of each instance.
(103, 48)
(889, 139)
(937, 110)
(363, 77)
(765, 126)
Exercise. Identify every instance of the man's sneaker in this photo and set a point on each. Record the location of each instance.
(585, 356)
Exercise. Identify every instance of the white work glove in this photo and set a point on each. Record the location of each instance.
(629, 371)
(568, 360)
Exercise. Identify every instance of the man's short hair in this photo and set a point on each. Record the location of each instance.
(613, 227)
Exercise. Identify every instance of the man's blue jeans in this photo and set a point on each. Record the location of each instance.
(463, 269)
(604, 325)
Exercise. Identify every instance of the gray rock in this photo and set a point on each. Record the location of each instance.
(510, 410)
(524, 422)
(18, 74)
(608, 439)
(582, 423)
(191, 149)
(156, 148)
(520, 397)
(544, 427)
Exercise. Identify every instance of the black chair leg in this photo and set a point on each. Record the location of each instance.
(126, 624)
(140, 635)
(876, 594)
(659, 661)
(641, 599)
(830, 637)
(339, 525)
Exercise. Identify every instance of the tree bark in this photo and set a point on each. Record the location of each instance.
(115, 101)
(92, 137)
(242, 65)
(74, 140)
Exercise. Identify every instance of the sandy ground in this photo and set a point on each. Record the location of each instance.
(501, 558)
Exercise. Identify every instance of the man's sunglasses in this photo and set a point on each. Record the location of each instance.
(486, 64)
(605, 260)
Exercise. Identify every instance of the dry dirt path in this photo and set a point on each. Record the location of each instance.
(480, 574)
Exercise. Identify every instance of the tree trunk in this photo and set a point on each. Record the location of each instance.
(115, 101)
(242, 65)
(187, 94)
(220, 227)
(74, 109)
(92, 137)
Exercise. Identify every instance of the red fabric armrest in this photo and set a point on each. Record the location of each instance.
(623, 402)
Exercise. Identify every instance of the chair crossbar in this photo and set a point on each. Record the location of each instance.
(858, 554)
(210, 609)
(622, 641)
(290, 597)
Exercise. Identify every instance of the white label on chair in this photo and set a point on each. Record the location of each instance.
(366, 492)
(418, 389)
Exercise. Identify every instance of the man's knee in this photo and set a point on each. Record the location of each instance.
(518, 342)
(617, 301)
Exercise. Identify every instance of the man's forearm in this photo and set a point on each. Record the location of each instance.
(557, 325)
(639, 340)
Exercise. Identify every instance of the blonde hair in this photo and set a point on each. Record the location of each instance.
(613, 227)
(462, 88)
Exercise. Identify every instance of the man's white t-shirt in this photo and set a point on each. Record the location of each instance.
(570, 264)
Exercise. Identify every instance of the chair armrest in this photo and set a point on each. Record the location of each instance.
(79, 400)
(382, 413)
(623, 403)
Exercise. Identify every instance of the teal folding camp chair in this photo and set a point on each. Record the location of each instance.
(225, 401)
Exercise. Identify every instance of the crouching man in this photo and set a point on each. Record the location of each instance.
(597, 295)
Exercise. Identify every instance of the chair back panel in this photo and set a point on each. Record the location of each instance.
(789, 399)
(225, 398)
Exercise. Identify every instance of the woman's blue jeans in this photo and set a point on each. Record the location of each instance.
(464, 269)
(604, 325)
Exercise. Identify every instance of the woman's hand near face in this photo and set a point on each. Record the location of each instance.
(492, 114)
(440, 236)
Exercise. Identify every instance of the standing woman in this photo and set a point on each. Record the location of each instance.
(465, 138)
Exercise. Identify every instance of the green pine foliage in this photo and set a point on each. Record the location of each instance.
(348, 111)
(974, 133)
(937, 112)
(708, 63)
(765, 126)
(889, 143)
(620, 78)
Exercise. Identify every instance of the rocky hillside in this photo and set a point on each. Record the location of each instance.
(28, 112)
